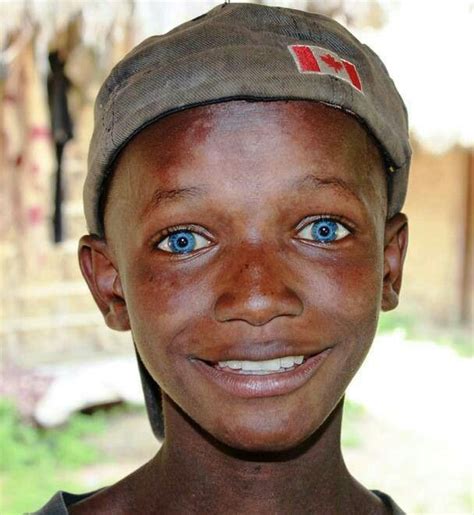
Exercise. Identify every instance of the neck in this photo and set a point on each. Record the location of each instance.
(210, 477)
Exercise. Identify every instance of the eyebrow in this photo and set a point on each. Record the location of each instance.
(161, 197)
(314, 182)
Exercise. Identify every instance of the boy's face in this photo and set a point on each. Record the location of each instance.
(249, 231)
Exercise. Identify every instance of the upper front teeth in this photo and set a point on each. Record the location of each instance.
(263, 366)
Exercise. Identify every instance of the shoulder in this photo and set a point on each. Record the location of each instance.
(389, 503)
(59, 503)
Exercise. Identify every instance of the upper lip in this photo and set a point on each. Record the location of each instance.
(262, 351)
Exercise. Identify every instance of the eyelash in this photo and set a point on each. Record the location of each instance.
(196, 234)
(331, 219)
(175, 230)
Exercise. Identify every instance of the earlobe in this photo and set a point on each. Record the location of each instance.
(104, 281)
(395, 247)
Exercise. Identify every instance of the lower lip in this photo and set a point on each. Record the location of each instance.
(255, 386)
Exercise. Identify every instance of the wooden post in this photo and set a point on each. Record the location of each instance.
(467, 275)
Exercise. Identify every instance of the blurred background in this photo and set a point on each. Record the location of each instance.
(71, 411)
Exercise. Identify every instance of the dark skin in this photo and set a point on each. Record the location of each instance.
(249, 179)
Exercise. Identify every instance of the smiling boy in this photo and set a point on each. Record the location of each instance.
(246, 176)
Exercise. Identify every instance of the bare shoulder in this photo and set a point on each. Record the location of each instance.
(106, 501)
(129, 495)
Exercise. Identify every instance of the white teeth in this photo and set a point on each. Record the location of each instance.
(265, 366)
(235, 365)
(287, 361)
(253, 365)
(270, 364)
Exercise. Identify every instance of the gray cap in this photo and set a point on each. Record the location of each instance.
(243, 51)
(254, 52)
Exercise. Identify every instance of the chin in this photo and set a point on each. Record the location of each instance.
(268, 436)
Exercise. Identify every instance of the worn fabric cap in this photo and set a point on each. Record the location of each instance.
(243, 51)
(246, 51)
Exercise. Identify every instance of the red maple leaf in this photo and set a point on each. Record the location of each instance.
(332, 63)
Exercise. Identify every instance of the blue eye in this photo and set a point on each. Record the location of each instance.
(325, 230)
(183, 242)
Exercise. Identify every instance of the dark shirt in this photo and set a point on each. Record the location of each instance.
(58, 504)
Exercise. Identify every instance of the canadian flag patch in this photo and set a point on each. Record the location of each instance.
(314, 59)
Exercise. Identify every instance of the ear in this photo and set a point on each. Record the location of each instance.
(104, 282)
(395, 248)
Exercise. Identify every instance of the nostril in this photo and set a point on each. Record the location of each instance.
(256, 307)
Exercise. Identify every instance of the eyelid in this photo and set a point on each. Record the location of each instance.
(307, 223)
(350, 226)
(166, 233)
(183, 227)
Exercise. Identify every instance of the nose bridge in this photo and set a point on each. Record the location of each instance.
(254, 287)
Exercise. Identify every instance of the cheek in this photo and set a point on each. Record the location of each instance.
(161, 306)
(348, 285)
(357, 284)
(156, 295)
(344, 300)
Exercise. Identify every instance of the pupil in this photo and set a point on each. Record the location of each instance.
(324, 230)
(182, 242)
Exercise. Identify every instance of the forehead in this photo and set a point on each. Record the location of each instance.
(243, 147)
(315, 123)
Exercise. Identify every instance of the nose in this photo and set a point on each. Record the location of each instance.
(256, 290)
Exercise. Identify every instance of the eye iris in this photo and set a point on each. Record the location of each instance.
(182, 242)
(324, 231)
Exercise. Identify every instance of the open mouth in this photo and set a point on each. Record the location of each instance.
(262, 378)
(263, 367)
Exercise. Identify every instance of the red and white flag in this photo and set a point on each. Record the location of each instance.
(314, 59)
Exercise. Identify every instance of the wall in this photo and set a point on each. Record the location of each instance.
(436, 207)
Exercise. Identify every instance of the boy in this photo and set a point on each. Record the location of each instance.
(246, 176)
